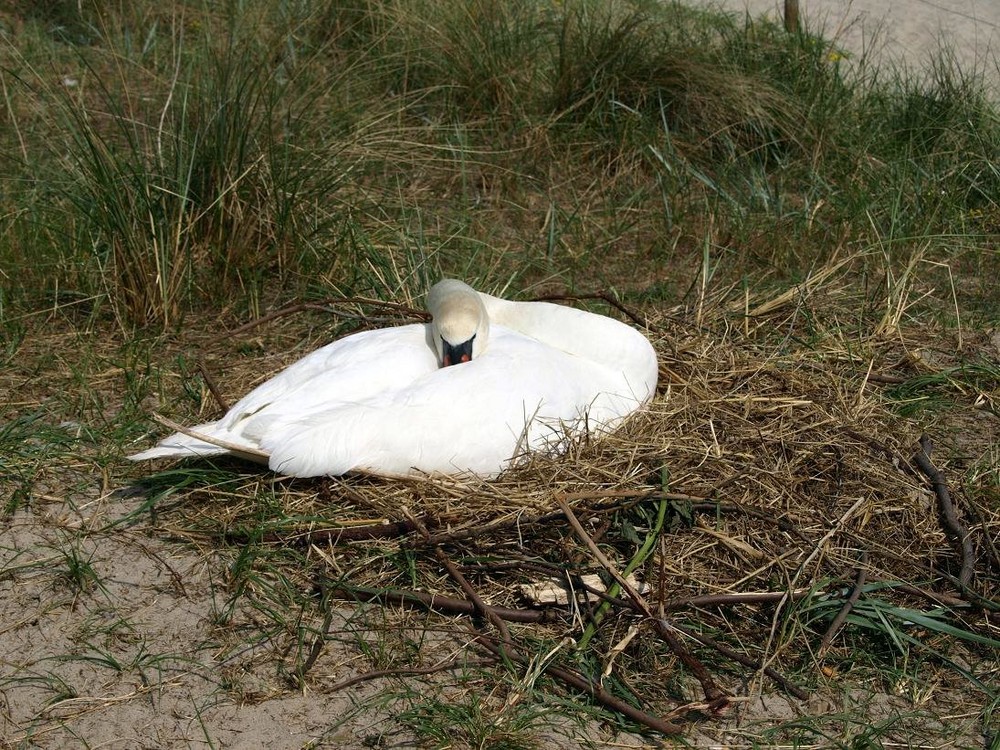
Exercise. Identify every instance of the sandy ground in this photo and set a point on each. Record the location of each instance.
(893, 32)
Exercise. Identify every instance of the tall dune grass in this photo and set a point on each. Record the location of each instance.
(172, 158)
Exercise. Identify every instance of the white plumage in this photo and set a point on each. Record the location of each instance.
(380, 401)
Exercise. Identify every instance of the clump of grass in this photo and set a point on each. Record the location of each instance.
(767, 141)
(668, 67)
(215, 185)
(441, 720)
(202, 183)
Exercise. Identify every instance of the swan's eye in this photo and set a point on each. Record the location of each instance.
(456, 354)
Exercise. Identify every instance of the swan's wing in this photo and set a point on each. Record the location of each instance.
(348, 370)
(351, 369)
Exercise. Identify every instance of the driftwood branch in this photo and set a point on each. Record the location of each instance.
(949, 515)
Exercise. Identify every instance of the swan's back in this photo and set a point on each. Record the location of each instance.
(520, 395)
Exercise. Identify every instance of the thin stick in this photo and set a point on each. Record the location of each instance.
(590, 687)
(503, 651)
(506, 523)
(212, 387)
(324, 305)
(446, 605)
(725, 600)
(392, 530)
(746, 661)
(838, 621)
(596, 295)
(952, 523)
(317, 647)
(484, 609)
(966, 594)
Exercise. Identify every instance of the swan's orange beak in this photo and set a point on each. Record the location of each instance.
(455, 355)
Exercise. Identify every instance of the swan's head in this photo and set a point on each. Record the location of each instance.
(460, 326)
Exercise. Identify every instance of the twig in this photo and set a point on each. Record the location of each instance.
(597, 295)
(324, 305)
(484, 609)
(838, 621)
(212, 387)
(876, 377)
(713, 693)
(725, 600)
(632, 496)
(337, 535)
(746, 661)
(448, 605)
(989, 546)
(966, 595)
(240, 451)
(437, 603)
(395, 529)
(952, 523)
(317, 647)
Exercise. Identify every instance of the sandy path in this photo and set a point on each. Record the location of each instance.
(907, 31)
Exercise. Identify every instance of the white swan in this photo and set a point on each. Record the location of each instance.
(385, 402)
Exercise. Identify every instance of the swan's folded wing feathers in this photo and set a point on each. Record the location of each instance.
(348, 370)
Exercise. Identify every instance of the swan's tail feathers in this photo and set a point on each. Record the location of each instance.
(189, 442)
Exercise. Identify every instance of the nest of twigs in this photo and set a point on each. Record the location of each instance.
(764, 476)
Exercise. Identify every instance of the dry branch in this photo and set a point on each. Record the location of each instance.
(952, 523)
(746, 661)
(838, 621)
(591, 687)
(482, 607)
(445, 605)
